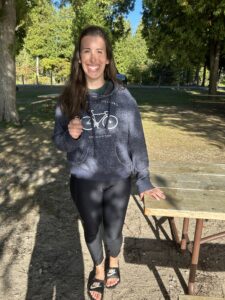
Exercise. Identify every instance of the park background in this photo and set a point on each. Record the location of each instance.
(176, 43)
(174, 62)
(146, 53)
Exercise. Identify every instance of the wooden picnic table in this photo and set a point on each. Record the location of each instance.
(205, 199)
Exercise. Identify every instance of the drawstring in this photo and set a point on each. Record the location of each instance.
(92, 121)
(109, 111)
(92, 125)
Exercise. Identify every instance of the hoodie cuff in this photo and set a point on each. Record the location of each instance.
(144, 184)
(71, 142)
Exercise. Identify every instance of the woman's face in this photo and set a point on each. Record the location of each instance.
(93, 59)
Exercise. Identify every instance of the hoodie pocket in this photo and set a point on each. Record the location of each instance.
(78, 156)
(123, 157)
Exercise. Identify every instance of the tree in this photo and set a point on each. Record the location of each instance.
(49, 37)
(7, 61)
(60, 67)
(131, 55)
(12, 20)
(106, 13)
(139, 62)
(179, 32)
(50, 31)
(25, 68)
(41, 25)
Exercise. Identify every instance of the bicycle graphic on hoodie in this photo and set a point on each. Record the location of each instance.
(99, 121)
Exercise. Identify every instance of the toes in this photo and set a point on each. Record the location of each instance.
(112, 282)
(96, 295)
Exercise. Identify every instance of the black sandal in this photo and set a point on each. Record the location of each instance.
(95, 285)
(113, 273)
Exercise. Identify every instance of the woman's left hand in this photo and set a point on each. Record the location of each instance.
(155, 193)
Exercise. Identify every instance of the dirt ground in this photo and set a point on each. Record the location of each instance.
(42, 248)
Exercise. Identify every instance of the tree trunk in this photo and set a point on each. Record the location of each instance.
(159, 80)
(8, 110)
(214, 66)
(51, 77)
(219, 74)
(197, 75)
(204, 75)
(37, 70)
(186, 76)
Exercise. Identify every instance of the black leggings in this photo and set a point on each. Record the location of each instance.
(101, 203)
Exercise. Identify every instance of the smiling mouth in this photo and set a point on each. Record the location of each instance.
(93, 68)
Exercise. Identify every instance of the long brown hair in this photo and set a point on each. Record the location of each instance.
(73, 97)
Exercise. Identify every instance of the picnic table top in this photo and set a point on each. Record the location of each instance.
(192, 191)
(195, 204)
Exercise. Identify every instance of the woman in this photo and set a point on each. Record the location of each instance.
(99, 126)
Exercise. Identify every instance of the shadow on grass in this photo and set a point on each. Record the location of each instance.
(178, 109)
(171, 108)
(56, 268)
(206, 125)
(35, 195)
(161, 253)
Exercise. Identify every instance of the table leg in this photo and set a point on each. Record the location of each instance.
(184, 239)
(173, 229)
(195, 255)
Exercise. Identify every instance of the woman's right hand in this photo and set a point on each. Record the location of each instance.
(75, 128)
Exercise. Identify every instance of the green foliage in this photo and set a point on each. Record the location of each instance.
(131, 55)
(178, 31)
(25, 67)
(173, 33)
(23, 8)
(24, 63)
(59, 66)
(106, 13)
(52, 31)
(50, 38)
(49, 33)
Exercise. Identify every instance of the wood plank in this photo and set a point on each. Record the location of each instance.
(190, 297)
(183, 168)
(198, 204)
(189, 181)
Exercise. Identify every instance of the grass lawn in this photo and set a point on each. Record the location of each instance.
(160, 96)
(34, 107)
(180, 125)
(30, 105)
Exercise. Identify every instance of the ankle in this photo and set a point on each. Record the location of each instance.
(113, 262)
(100, 270)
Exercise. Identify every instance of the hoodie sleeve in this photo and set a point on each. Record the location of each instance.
(61, 136)
(138, 150)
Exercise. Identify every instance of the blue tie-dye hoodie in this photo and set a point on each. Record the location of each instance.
(112, 145)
